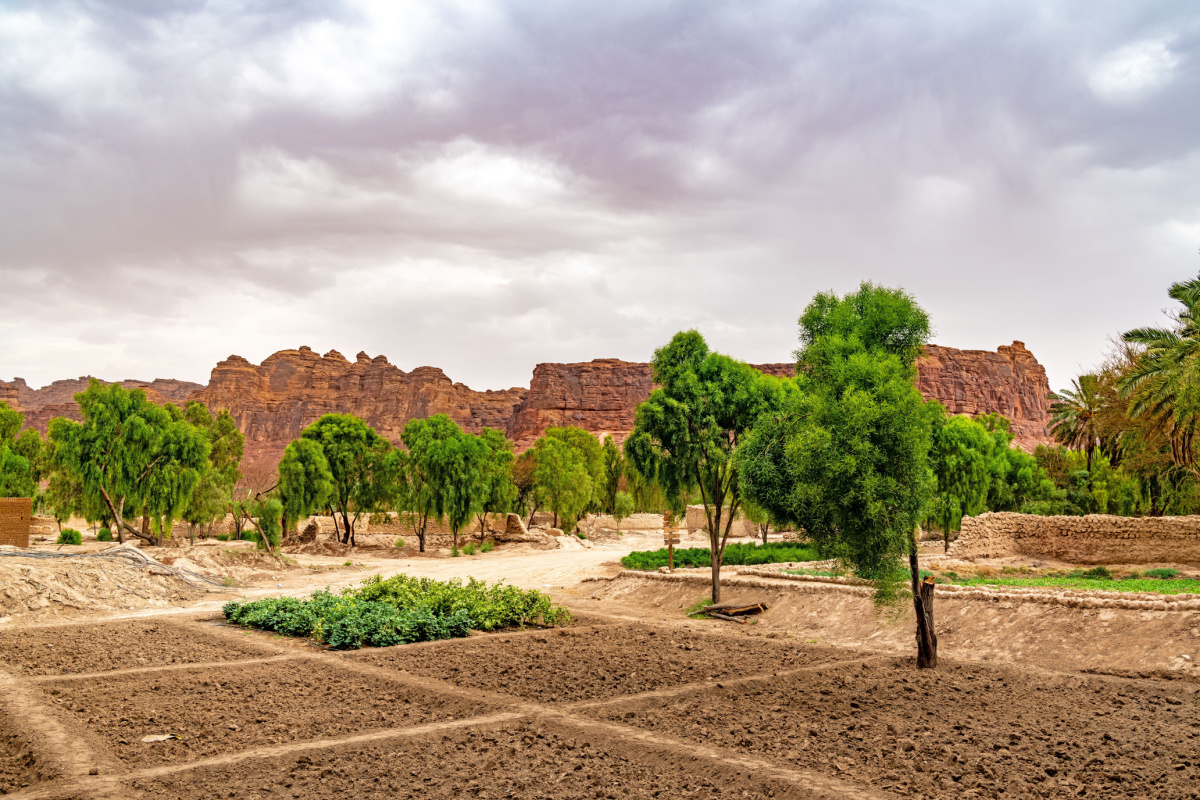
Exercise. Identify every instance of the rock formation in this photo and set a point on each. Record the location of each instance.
(277, 399)
(1009, 381)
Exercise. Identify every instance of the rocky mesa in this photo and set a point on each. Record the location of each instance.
(275, 400)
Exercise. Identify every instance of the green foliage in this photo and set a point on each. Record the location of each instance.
(441, 475)
(267, 515)
(581, 534)
(69, 536)
(17, 471)
(214, 491)
(562, 481)
(470, 549)
(497, 492)
(1078, 579)
(687, 432)
(1074, 416)
(305, 480)
(1098, 573)
(490, 606)
(876, 318)
(400, 542)
(614, 470)
(1161, 573)
(360, 465)
(487, 546)
(738, 553)
(130, 455)
(622, 507)
(104, 535)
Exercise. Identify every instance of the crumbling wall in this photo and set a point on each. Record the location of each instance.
(634, 522)
(15, 515)
(1094, 539)
(697, 522)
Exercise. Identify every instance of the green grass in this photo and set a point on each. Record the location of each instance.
(694, 609)
(1088, 580)
(736, 554)
(470, 549)
(487, 546)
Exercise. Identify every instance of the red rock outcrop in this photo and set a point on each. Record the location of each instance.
(277, 399)
(58, 399)
(1009, 381)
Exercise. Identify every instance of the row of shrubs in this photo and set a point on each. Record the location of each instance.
(736, 554)
(399, 610)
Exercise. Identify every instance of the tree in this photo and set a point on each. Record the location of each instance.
(214, 491)
(459, 479)
(848, 457)
(17, 472)
(563, 483)
(266, 515)
(130, 455)
(357, 460)
(758, 517)
(305, 481)
(962, 459)
(497, 492)
(622, 508)
(1161, 384)
(522, 476)
(419, 492)
(1074, 416)
(686, 433)
(614, 470)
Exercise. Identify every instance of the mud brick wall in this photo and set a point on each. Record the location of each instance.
(697, 522)
(634, 522)
(15, 515)
(1094, 539)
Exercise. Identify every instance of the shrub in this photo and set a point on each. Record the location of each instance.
(400, 542)
(1162, 572)
(1098, 573)
(104, 535)
(224, 537)
(399, 610)
(470, 549)
(736, 554)
(581, 534)
(70, 536)
(487, 546)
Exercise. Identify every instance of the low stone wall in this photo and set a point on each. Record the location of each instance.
(697, 522)
(1094, 539)
(634, 522)
(15, 514)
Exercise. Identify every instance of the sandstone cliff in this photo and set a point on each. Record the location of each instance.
(1009, 381)
(277, 399)
(58, 399)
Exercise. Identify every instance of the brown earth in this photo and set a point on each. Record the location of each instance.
(125, 644)
(576, 717)
(218, 710)
(20, 765)
(623, 659)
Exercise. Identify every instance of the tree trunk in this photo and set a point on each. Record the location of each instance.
(146, 529)
(923, 606)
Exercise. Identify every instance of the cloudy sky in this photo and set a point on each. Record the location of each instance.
(484, 186)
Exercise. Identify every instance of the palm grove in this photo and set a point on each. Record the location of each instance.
(847, 451)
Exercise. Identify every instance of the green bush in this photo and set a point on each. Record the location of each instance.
(69, 536)
(736, 554)
(581, 534)
(399, 610)
(1098, 573)
(104, 535)
(400, 542)
(487, 546)
(223, 537)
(470, 549)
(1162, 572)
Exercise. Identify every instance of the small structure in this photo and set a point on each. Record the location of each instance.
(16, 513)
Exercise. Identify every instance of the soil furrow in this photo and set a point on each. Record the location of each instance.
(117, 673)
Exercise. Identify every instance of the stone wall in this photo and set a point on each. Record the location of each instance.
(698, 522)
(635, 522)
(1094, 539)
(15, 514)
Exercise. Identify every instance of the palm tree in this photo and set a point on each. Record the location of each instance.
(1075, 413)
(1162, 384)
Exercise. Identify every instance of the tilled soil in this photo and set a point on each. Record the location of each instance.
(115, 645)
(19, 763)
(570, 665)
(961, 730)
(224, 710)
(525, 760)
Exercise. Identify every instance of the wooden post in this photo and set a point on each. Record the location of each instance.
(671, 557)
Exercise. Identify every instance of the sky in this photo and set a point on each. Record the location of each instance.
(484, 186)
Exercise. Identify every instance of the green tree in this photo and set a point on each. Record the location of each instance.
(758, 517)
(522, 475)
(614, 470)
(622, 508)
(497, 492)
(420, 490)
(305, 481)
(686, 433)
(130, 455)
(358, 463)
(459, 479)
(214, 491)
(1161, 384)
(1074, 416)
(563, 483)
(848, 457)
(266, 514)
(962, 458)
(17, 471)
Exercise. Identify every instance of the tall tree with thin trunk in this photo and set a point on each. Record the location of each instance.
(357, 459)
(686, 433)
(1075, 416)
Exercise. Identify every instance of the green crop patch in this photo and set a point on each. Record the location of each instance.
(736, 554)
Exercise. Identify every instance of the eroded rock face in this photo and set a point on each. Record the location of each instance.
(274, 401)
(58, 399)
(1009, 381)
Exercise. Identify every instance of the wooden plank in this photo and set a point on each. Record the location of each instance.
(727, 618)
